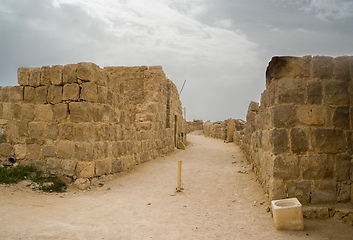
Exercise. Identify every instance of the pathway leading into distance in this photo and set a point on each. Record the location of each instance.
(221, 200)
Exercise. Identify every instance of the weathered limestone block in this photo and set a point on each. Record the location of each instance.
(41, 94)
(49, 151)
(285, 167)
(82, 183)
(4, 94)
(83, 151)
(288, 67)
(54, 166)
(127, 162)
(284, 116)
(311, 114)
(40, 165)
(85, 169)
(84, 132)
(97, 112)
(81, 112)
(104, 79)
(276, 189)
(100, 150)
(71, 92)
(43, 112)
(68, 167)
(315, 212)
(23, 76)
(280, 141)
(300, 189)
(16, 94)
(343, 167)
(27, 111)
(103, 167)
(55, 94)
(323, 191)
(314, 92)
(12, 131)
(7, 111)
(343, 191)
(299, 140)
(100, 133)
(291, 91)
(317, 166)
(117, 166)
(34, 77)
(60, 112)
(88, 72)
(34, 151)
(89, 92)
(330, 140)
(5, 150)
(52, 131)
(36, 95)
(45, 76)
(20, 151)
(69, 73)
(56, 75)
(37, 130)
(66, 131)
(323, 67)
(113, 132)
(65, 149)
(336, 93)
(29, 94)
(102, 94)
(341, 117)
(17, 113)
(342, 65)
(116, 149)
(268, 97)
(253, 107)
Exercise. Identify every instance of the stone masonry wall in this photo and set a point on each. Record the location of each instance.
(195, 125)
(223, 129)
(299, 140)
(81, 121)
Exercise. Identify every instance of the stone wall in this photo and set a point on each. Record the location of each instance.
(223, 129)
(299, 140)
(194, 125)
(81, 121)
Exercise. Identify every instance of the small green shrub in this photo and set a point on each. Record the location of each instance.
(15, 174)
(19, 173)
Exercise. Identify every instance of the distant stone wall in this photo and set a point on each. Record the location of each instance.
(195, 125)
(223, 129)
(299, 139)
(81, 121)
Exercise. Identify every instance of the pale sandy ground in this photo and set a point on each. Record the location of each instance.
(218, 202)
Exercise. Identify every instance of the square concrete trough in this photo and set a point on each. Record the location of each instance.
(287, 214)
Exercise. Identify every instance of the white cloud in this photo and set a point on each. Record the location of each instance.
(213, 59)
(223, 23)
(158, 28)
(330, 9)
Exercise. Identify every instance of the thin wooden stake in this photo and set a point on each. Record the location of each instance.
(179, 177)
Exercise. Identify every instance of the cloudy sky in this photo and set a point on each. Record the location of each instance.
(220, 47)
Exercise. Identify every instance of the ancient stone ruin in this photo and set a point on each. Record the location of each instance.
(194, 125)
(299, 139)
(82, 121)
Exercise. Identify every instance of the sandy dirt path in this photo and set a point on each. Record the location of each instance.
(221, 200)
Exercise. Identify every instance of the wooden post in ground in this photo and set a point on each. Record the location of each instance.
(179, 177)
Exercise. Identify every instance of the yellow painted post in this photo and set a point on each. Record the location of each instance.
(179, 177)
